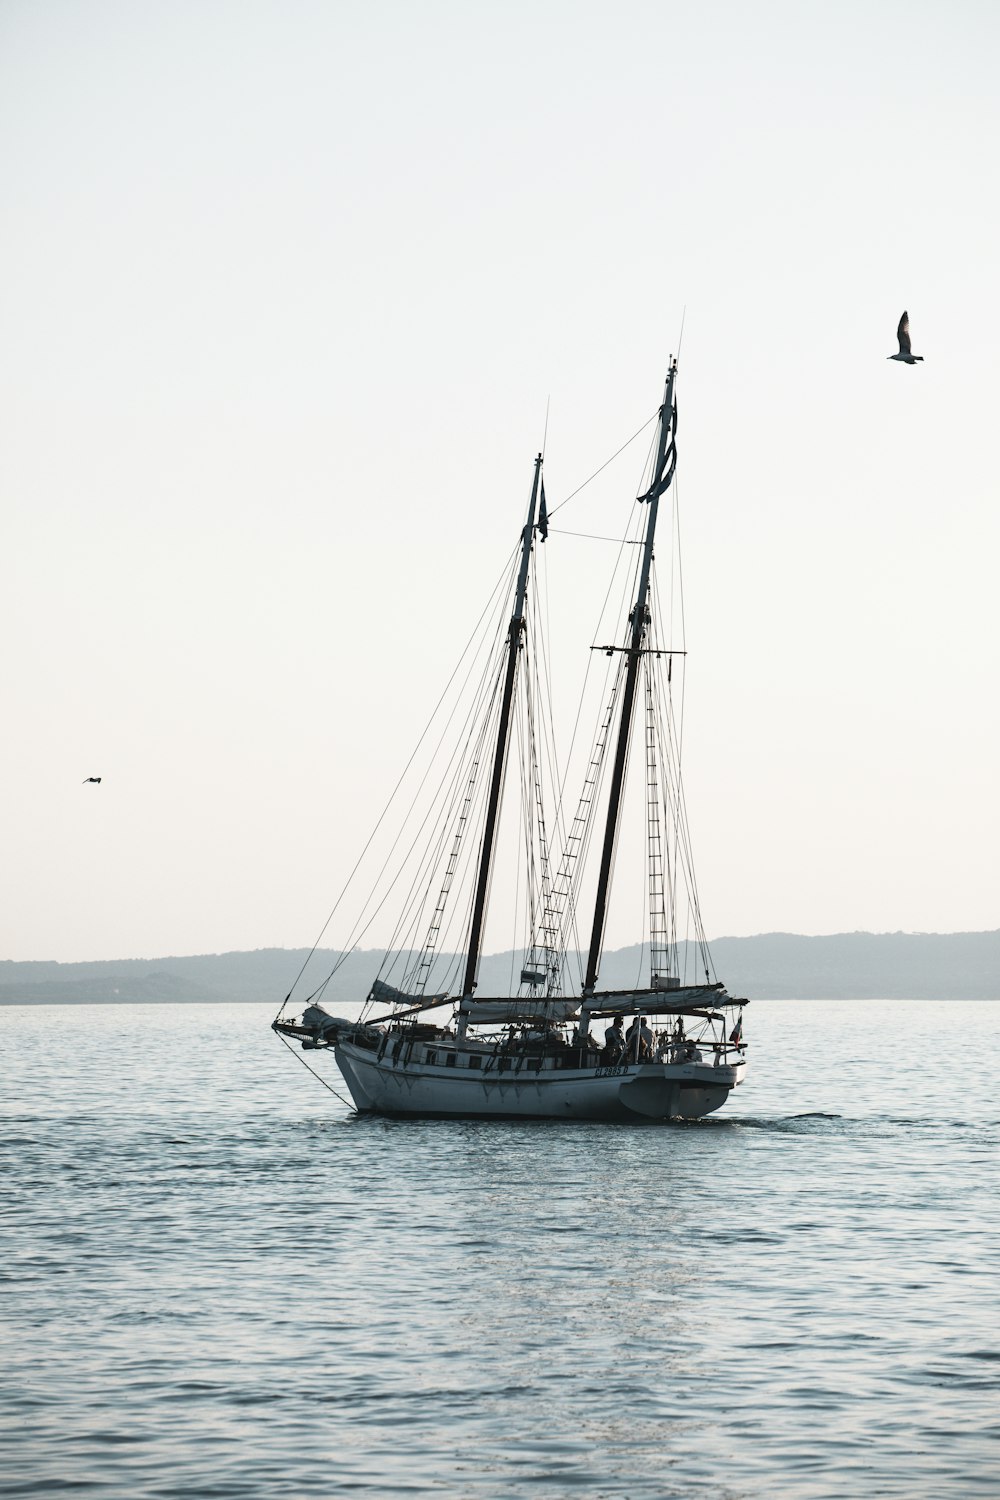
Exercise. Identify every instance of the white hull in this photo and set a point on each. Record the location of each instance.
(646, 1090)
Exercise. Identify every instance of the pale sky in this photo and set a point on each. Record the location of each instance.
(285, 290)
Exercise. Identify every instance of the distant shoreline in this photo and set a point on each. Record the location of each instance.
(772, 966)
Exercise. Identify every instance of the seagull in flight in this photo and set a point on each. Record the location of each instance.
(90, 778)
(903, 335)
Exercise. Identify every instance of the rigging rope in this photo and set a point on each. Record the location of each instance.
(442, 810)
(611, 460)
(589, 536)
(362, 924)
(488, 606)
(316, 1075)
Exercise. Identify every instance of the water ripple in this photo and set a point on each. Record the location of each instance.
(217, 1281)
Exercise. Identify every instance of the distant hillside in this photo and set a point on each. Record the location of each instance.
(771, 966)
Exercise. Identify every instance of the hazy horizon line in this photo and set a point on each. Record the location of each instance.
(501, 952)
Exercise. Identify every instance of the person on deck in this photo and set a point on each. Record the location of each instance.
(639, 1041)
(679, 1041)
(614, 1040)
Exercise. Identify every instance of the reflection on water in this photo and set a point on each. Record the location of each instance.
(219, 1281)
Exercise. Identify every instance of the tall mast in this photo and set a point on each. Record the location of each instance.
(514, 635)
(663, 472)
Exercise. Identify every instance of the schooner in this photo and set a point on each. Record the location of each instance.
(431, 1044)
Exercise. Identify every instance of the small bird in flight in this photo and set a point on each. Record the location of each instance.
(903, 334)
(90, 778)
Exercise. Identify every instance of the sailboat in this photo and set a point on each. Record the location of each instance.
(425, 1041)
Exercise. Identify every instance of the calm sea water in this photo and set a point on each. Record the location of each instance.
(218, 1282)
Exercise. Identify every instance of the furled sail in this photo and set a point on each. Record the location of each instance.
(659, 1002)
(327, 1028)
(387, 994)
(512, 1012)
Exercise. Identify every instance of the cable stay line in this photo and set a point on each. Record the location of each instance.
(497, 591)
(617, 454)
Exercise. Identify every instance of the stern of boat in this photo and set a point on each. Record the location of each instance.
(688, 1092)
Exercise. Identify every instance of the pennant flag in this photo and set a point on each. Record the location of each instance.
(661, 480)
(543, 515)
